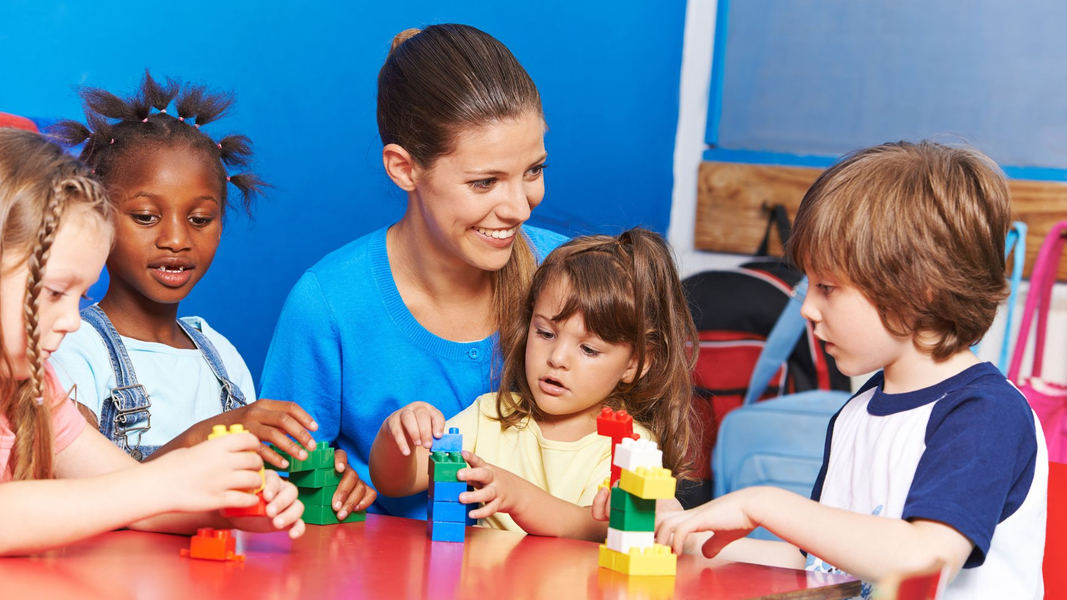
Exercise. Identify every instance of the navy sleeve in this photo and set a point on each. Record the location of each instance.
(981, 450)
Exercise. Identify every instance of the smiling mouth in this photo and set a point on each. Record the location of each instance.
(498, 234)
(171, 269)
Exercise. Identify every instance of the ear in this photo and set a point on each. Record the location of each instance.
(630, 373)
(399, 166)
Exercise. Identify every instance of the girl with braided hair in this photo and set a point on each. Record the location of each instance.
(152, 382)
(59, 478)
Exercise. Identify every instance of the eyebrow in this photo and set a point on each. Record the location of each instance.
(63, 277)
(151, 196)
(497, 172)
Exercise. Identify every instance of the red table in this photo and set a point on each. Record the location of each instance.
(384, 557)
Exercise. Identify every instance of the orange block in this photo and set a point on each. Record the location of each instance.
(213, 544)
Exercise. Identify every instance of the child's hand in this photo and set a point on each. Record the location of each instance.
(499, 490)
(272, 421)
(726, 517)
(417, 424)
(283, 510)
(209, 476)
(352, 493)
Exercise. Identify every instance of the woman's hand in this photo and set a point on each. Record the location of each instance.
(417, 424)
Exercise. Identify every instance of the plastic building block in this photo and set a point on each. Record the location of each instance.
(632, 521)
(316, 496)
(614, 424)
(648, 483)
(316, 479)
(449, 442)
(447, 511)
(324, 515)
(622, 541)
(446, 531)
(445, 465)
(627, 502)
(631, 454)
(220, 430)
(657, 560)
(447, 491)
(213, 544)
(259, 509)
(319, 458)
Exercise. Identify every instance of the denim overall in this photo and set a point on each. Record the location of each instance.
(125, 411)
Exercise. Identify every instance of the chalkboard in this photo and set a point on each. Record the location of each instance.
(828, 76)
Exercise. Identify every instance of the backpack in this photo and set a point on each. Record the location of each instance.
(779, 442)
(734, 310)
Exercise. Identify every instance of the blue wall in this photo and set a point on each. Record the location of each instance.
(305, 81)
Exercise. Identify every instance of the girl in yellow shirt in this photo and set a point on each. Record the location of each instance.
(605, 324)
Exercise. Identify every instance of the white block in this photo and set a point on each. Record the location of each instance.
(622, 541)
(631, 454)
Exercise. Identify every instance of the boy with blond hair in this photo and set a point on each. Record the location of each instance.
(937, 457)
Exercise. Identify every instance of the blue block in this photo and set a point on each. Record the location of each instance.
(446, 491)
(448, 511)
(449, 442)
(445, 531)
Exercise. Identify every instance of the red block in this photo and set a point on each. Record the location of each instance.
(616, 425)
(259, 509)
(213, 544)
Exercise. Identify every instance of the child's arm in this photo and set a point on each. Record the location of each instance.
(99, 488)
(867, 546)
(533, 509)
(400, 456)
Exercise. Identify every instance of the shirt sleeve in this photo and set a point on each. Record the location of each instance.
(67, 422)
(81, 360)
(304, 360)
(977, 468)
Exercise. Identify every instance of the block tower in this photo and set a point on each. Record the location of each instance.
(630, 547)
(446, 517)
(316, 481)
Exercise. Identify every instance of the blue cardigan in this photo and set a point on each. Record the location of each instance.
(348, 350)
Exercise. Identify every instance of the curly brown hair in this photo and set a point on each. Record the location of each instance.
(627, 290)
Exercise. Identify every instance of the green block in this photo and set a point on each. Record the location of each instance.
(319, 478)
(445, 465)
(632, 521)
(627, 502)
(317, 496)
(319, 458)
(324, 515)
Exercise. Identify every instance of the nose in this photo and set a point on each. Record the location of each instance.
(517, 205)
(808, 309)
(173, 234)
(69, 319)
(557, 357)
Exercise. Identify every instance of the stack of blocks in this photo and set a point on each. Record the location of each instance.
(446, 517)
(316, 481)
(630, 547)
(259, 509)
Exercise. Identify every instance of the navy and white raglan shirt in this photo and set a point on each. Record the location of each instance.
(967, 452)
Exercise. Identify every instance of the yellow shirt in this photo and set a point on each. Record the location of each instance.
(570, 471)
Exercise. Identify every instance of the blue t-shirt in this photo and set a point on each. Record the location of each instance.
(349, 351)
(967, 452)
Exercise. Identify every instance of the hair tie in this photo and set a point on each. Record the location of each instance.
(219, 145)
(182, 119)
(197, 125)
(39, 400)
(144, 120)
(227, 179)
(112, 141)
(163, 112)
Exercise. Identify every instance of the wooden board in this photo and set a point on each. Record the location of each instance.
(731, 201)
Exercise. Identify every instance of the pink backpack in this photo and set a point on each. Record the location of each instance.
(1049, 400)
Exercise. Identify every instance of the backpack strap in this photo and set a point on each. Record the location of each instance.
(231, 397)
(780, 342)
(780, 219)
(126, 410)
(1015, 242)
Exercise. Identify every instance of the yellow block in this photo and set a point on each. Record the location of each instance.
(220, 430)
(649, 484)
(657, 560)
